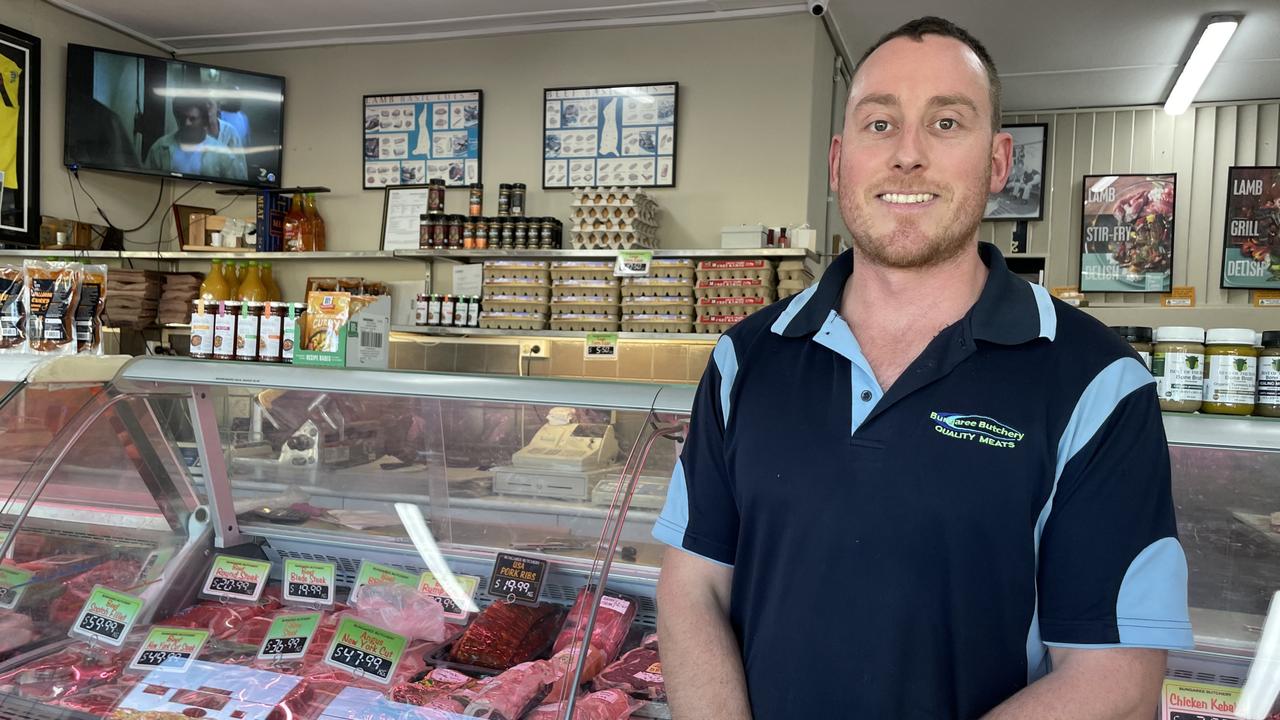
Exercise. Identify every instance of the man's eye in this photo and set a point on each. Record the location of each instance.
(880, 126)
(947, 124)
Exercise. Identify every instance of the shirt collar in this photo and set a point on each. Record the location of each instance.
(1010, 310)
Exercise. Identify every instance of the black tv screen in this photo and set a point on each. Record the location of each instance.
(155, 116)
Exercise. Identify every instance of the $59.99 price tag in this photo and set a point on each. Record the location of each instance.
(289, 636)
(169, 649)
(517, 578)
(107, 616)
(365, 650)
(307, 583)
(233, 578)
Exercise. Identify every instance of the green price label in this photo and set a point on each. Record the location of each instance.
(169, 649)
(289, 636)
(234, 578)
(13, 582)
(364, 650)
(601, 346)
(107, 616)
(633, 263)
(372, 573)
(308, 583)
(466, 586)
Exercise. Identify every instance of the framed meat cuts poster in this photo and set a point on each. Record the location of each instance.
(1127, 233)
(617, 135)
(1251, 238)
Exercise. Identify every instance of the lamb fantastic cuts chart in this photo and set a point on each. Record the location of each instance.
(623, 135)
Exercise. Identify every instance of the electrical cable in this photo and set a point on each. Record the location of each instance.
(159, 196)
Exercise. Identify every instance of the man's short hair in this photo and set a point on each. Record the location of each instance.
(183, 104)
(930, 25)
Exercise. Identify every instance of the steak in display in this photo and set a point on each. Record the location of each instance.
(506, 634)
(638, 672)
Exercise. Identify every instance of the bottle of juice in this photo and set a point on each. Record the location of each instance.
(252, 289)
(269, 280)
(242, 269)
(214, 287)
(294, 222)
(229, 279)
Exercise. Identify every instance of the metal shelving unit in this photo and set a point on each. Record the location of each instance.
(484, 332)
(180, 255)
(771, 253)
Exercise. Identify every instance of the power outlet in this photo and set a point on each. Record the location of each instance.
(535, 349)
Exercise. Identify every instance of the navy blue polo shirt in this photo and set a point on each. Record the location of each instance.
(912, 553)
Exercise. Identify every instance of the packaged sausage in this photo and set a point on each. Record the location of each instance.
(88, 315)
(13, 313)
(327, 315)
(52, 289)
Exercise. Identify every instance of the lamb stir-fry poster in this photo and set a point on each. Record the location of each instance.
(1251, 239)
(1127, 243)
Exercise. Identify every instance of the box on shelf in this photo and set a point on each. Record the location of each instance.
(362, 342)
(743, 236)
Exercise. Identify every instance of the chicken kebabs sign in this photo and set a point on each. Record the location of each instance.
(1251, 239)
(1127, 243)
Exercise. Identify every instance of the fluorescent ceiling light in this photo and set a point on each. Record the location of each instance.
(1208, 48)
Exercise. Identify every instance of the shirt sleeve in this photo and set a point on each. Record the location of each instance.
(1111, 569)
(701, 512)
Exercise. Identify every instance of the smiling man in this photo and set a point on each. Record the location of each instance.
(922, 488)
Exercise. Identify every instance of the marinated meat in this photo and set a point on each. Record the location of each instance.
(638, 672)
(513, 693)
(506, 634)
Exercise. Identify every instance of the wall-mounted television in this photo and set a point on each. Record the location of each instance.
(156, 116)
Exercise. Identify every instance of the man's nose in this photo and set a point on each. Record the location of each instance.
(909, 152)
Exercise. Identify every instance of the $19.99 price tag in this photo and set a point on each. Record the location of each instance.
(170, 649)
(107, 616)
(289, 636)
(365, 650)
(517, 578)
(308, 583)
(233, 578)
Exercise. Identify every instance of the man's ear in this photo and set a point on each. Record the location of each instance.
(833, 165)
(1001, 160)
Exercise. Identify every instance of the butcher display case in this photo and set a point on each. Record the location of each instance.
(222, 540)
(494, 531)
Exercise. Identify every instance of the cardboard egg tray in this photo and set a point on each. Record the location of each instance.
(610, 196)
(735, 288)
(581, 269)
(677, 268)
(613, 240)
(517, 286)
(647, 305)
(605, 287)
(602, 224)
(572, 305)
(656, 287)
(787, 288)
(647, 213)
(533, 270)
(735, 269)
(710, 307)
(502, 302)
(657, 323)
(794, 270)
(493, 320)
(717, 323)
(585, 322)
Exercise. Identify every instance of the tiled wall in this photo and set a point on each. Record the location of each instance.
(638, 360)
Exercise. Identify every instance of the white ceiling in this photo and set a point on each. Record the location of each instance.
(1051, 54)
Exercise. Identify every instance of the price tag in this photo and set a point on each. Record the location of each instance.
(289, 636)
(13, 582)
(372, 573)
(169, 649)
(601, 346)
(308, 583)
(1266, 298)
(633, 263)
(518, 578)
(429, 585)
(233, 578)
(1182, 296)
(365, 650)
(107, 616)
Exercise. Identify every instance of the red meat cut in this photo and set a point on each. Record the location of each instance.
(513, 693)
(506, 634)
(638, 672)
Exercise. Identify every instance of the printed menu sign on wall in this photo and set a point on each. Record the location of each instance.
(1127, 233)
(1251, 238)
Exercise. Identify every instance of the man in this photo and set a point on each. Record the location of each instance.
(227, 134)
(190, 150)
(921, 485)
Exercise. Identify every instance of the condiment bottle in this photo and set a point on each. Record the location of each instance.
(1139, 338)
(446, 311)
(461, 311)
(271, 332)
(293, 224)
(1177, 361)
(1268, 404)
(475, 204)
(424, 231)
(517, 199)
(247, 325)
(1230, 372)
(473, 312)
(315, 239)
(202, 316)
(420, 309)
(224, 330)
(504, 199)
(292, 329)
(433, 310)
(435, 196)
(783, 240)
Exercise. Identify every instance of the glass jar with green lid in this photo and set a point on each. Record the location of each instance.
(1230, 371)
(1177, 361)
(1268, 404)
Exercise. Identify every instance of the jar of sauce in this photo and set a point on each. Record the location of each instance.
(1268, 404)
(435, 196)
(247, 327)
(482, 233)
(1177, 361)
(425, 223)
(1230, 372)
(455, 232)
(292, 331)
(224, 330)
(203, 313)
(1139, 338)
(271, 332)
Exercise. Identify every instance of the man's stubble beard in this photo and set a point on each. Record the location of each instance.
(909, 246)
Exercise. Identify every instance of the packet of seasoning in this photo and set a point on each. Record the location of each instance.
(13, 309)
(89, 307)
(52, 289)
(327, 315)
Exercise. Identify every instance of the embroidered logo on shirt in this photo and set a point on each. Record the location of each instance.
(976, 428)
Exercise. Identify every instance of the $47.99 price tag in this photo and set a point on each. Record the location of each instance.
(307, 583)
(170, 649)
(233, 578)
(365, 650)
(289, 636)
(107, 616)
(517, 578)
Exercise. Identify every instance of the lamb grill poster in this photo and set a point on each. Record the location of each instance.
(1251, 238)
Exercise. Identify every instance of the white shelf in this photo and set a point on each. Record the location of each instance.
(484, 332)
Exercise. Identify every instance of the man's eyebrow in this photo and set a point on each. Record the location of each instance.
(948, 100)
(887, 99)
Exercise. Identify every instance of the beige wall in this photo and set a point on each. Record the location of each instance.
(127, 200)
(1199, 146)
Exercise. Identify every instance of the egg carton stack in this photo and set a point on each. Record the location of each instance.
(661, 302)
(730, 290)
(793, 277)
(584, 296)
(516, 294)
(613, 219)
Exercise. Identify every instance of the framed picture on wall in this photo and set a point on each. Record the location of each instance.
(601, 136)
(1023, 195)
(1127, 233)
(411, 139)
(1251, 238)
(19, 137)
